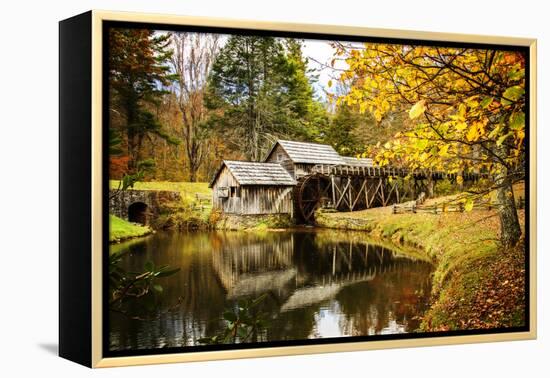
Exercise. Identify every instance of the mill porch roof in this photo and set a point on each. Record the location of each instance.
(256, 173)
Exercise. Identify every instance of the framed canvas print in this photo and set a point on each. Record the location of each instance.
(235, 189)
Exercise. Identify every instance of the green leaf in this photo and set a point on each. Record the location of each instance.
(517, 121)
(158, 288)
(242, 333)
(517, 75)
(486, 102)
(418, 109)
(230, 316)
(149, 266)
(167, 272)
(512, 94)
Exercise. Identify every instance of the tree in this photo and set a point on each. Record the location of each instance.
(259, 88)
(466, 111)
(192, 61)
(137, 71)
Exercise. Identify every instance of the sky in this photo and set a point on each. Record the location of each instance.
(319, 54)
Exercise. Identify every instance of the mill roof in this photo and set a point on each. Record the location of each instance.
(358, 162)
(309, 153)
(255, 173)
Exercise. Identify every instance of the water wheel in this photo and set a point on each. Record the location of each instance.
(310, 194)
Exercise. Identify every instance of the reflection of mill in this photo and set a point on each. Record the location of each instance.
(343, 264)
(255, 266)
(297, 269)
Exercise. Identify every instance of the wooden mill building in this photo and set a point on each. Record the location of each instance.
(251, 188)
(298, 178)
(273, 186)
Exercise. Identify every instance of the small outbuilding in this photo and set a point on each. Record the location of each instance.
(251, 188)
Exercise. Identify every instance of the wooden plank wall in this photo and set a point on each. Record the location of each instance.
(225, 179)
(253, 199)
(286, 163)
(266, 200)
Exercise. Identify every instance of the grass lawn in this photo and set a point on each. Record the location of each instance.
(121, 229)
(476, 284)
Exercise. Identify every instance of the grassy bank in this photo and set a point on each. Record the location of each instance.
(189, 213)
(476, 284)
(122, 230)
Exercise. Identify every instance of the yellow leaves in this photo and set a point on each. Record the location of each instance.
(385, 106)
(386, 79)
(461, 111)
(418, 109)
(472, 102)
(469, 205)
(460, 126)
(472, 134)
(520, 135)
(459, 179)
(444, 150)
(329, 83)
(475, 131)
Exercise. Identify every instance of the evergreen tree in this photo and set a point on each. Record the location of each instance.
(260, 87)
(137, 71)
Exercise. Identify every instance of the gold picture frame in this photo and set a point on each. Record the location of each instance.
(92, 24)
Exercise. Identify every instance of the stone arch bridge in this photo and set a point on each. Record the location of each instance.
(140, 206)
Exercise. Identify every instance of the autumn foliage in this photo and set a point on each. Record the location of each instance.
(466, 111)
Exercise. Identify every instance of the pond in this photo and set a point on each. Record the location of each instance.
(318, 284)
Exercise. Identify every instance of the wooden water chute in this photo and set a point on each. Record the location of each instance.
(358, 185)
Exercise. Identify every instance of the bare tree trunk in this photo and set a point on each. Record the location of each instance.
(430, 185)
(509, 222)
(510, 230)
(192, 61)
(192, 174)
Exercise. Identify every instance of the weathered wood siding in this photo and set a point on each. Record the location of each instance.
(266, 200)
(251, 200)
(225, 179)
(279, 155)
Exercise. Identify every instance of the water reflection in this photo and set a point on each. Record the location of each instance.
(318, 284)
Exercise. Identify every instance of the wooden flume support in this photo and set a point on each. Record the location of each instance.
(350, 188)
